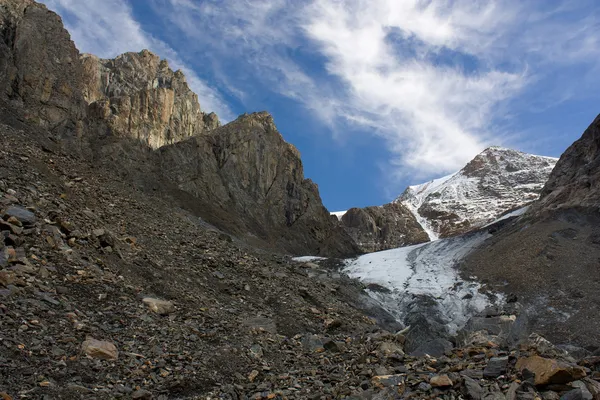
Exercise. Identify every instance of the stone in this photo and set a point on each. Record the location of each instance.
(158, 306)
(389, 348)
(496, 366)
(585, 393)
(549, 371)
(383, 381)
(575, 394)
(26, 217)
(472, 389)
(6, 278)
(440, 381)
(100, 349)
(253, 375)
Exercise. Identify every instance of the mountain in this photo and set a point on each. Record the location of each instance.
(549, 256)
(137, 116)
(495, 182)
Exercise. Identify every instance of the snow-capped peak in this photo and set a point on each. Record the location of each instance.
(496, 181)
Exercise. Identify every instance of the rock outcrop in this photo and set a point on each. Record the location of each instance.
(247, 171)
(380, 228)
(575, 181)
(40, 71)
(137, 95)
(496, 181)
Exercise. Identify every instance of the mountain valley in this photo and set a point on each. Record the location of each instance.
(147, 252)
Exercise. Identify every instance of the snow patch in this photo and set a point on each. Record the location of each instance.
(306, 259)
(339, 214)
(424, 269)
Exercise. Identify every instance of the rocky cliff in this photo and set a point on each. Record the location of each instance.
(494, 182)
(139, 96)
(246, 169)
(136, 115)
(385, 227)
(575, 180)
(40, 71)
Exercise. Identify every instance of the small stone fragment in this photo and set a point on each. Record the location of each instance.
(440, 381)
(161, 307)
(252, 376)
(99, 349)
(496, 366)
(383, 381)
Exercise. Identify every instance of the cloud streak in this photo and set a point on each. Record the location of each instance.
(436, 81)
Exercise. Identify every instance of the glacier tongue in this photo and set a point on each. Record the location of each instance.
(425, 270)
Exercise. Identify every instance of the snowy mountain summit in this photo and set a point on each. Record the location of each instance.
(496, 181)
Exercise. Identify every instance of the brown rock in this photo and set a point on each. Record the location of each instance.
(548, 371)
(6, 278)
(100, 349)
(440, 381)
(162, 307)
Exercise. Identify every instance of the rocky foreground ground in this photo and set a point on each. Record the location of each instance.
(107, 292)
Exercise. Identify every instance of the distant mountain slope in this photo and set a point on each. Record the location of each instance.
(549, 256)
(496, 181)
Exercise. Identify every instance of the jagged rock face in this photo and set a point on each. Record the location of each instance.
(575, 181)
(137, 95)
(494, 182)
(40, 72)
(380, 228)
(243, 174)
(247, 168)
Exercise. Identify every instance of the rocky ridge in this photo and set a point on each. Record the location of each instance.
(383, 227)
(123, 112)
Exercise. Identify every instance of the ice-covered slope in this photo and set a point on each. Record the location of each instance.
(427, 269)
(496, 181)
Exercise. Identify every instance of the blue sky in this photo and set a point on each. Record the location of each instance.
(376, 94)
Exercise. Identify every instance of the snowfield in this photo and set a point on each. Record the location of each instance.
(425, 269)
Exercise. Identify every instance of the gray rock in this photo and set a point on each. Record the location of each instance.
(472, 389)
(496, 366)
(575, 394)
(26, 217)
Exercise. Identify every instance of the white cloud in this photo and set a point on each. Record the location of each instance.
(435, 80)
(107, 28)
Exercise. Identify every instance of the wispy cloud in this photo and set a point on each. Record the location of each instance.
(435, 80)
(432, 79)
(107, 28)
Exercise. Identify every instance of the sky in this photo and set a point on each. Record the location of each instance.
(376, 94)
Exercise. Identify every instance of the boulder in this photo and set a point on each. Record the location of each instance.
(549, 371)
